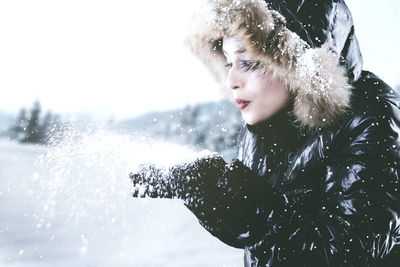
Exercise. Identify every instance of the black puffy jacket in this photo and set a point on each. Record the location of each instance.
(303, 192)
(340, 184)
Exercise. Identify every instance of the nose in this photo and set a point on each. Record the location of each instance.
(234, 79)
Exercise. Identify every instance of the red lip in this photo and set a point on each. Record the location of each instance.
(242, 104)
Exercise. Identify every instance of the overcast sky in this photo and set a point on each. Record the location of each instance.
(124, 57)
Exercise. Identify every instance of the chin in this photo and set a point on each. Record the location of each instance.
(250, 121)
(253, 120)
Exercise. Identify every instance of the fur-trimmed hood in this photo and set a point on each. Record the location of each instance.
(316, 75)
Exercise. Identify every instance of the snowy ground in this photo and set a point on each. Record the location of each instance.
(70, 206)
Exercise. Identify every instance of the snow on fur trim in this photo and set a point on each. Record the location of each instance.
(313, 75)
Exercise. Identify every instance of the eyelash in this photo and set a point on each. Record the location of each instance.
(246, 65)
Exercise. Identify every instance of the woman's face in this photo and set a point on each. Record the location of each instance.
(258, 95)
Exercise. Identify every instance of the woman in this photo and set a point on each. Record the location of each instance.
(316, 182)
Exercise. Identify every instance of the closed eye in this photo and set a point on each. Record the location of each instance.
(247, 65)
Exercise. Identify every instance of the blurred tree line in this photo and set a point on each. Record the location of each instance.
(30, 126)
(213, 125)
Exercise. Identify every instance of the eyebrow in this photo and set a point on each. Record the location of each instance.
(237, 52)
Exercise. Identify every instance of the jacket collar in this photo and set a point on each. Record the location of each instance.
(282, 126)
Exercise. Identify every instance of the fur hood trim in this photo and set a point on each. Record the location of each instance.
(315, 78)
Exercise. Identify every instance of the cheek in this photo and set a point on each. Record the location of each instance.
(272, 95)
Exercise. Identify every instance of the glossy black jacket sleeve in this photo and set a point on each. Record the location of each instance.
(233, 207)
(226, 198)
